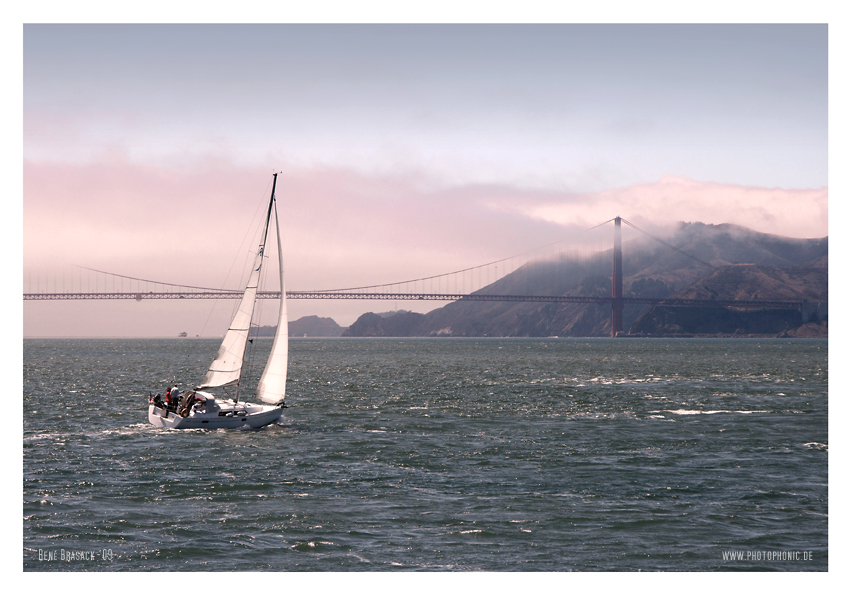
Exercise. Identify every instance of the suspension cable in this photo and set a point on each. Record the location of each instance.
(480, 266)
(632, 225)
(148, 280)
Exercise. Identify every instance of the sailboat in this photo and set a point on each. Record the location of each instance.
(199, 408)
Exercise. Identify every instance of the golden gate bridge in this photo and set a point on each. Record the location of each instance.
(400, 291)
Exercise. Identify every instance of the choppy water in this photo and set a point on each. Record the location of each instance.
(436, 454)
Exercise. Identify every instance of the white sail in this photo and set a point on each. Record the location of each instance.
(227, 366)
(272, 385)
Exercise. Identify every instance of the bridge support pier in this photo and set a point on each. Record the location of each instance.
(617, 282)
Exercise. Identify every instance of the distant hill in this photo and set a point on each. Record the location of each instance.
(759, 281)
(785, 268)
(306, 326)
(400, 324)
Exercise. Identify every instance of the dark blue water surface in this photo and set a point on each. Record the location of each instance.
(436, 454)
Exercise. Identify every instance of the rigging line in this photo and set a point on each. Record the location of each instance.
(246, 239)
(632, 225)
(246, 243)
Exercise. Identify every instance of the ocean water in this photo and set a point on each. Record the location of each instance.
(437, 455)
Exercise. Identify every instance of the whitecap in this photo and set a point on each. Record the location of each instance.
(817, 446)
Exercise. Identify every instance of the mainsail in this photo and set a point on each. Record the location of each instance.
(226, 368)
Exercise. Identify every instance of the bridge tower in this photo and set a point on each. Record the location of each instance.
(617, 282)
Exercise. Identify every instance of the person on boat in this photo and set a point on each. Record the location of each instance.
(171, 398)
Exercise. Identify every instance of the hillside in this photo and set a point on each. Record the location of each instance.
(787, 268)
(744, 282)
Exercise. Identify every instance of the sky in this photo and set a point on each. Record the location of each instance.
(403, 150)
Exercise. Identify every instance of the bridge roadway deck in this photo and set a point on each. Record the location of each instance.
(450, 297)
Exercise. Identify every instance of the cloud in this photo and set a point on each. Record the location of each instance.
(344, 227)
(795, 213)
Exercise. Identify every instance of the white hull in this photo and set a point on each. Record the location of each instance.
(230, 416)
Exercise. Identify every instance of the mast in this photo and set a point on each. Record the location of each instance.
(226, 368)
(260, 256)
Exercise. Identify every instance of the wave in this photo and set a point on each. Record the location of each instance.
(709, 412)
